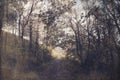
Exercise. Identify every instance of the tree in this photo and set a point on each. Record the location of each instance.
(51, 15)
(1, 14)
(1, 25)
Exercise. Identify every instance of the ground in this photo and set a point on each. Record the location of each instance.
(19, 63)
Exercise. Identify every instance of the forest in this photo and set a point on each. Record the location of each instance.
(59, 39)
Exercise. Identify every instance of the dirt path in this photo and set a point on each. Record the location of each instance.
(15, 66)
(57, 70)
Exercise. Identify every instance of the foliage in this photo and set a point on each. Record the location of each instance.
(86, 31)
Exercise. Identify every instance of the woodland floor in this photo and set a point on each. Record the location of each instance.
(18, 64)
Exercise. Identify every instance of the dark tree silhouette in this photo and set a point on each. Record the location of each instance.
(1, 25)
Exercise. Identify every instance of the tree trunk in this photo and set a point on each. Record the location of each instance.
(30, 36)
(19, 25)
(79, 45)
(1, 25)
(22, 35)
(0, 53)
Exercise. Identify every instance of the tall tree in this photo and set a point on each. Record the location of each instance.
(1, 25)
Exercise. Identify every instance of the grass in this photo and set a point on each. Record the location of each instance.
(20, 63)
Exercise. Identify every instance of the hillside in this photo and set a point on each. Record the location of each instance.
(60, 39)
(22, 64)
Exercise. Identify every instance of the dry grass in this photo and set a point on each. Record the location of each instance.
(25, 76)
(12, 54)
(64, 70)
